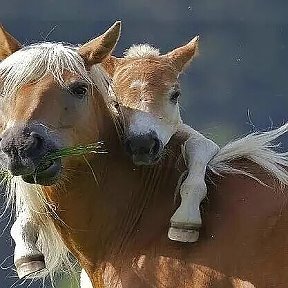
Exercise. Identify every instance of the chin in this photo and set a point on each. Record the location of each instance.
(47, 176)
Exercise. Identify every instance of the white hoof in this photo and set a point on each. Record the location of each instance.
(183, 235)
(29, 265)
(187, 216)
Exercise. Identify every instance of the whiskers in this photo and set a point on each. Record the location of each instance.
(91, 169)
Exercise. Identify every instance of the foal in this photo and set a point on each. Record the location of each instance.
(147, 84)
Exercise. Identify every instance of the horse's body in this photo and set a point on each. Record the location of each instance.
(110, 212)
(243, 240)
(243, 243)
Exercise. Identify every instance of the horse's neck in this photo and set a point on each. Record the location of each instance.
(115, 206)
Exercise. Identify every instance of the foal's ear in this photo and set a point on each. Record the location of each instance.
(111, 63)
(183, 55)
(97, 49)
(8, 44)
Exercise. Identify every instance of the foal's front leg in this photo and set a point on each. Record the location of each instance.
(198, 151)
(27, 257)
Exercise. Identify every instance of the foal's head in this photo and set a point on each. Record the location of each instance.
(146, 86)
(48, 100)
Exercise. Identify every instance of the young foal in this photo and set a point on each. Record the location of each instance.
(148, 85)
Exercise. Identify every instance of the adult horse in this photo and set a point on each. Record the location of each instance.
(110, 213)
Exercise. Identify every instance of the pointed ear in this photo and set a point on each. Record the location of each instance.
(8, 44)
(111, 63)
(97, 49)
(182, 56)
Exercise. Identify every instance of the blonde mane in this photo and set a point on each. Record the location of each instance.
(141, 51)
(29, 64)
(33, 62)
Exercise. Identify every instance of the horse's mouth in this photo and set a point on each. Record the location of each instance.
(47, 175)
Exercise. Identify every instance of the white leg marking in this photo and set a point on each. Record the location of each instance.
(198, 151)
(27, 257)
(85, 281)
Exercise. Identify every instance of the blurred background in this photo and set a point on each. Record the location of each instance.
(238, 84)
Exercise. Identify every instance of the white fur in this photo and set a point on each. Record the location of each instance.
(198, 151)
(257, 147)
(85, 281)
(144, 123)
(25, 234)
(141, 51)
(138, 84)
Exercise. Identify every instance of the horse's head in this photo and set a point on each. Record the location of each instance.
(48, 101)
(145, 84)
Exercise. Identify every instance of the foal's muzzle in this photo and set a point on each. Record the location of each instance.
(145, 149)
(23, 147)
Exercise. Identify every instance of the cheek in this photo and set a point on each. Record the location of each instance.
(172, 114)
(72, 113)
(67, 116)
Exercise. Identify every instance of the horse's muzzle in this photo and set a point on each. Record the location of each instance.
(144, 149)
(23, 147)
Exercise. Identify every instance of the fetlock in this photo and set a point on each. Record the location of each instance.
(28, 260)
(188, 216)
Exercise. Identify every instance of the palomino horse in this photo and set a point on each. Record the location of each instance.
(111, 213)
(147, 84)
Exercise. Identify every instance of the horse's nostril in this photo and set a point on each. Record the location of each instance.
(37, 140)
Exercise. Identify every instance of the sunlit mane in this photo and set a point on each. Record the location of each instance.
(35, 61)
(141, 51)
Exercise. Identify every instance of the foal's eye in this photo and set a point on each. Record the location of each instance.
(174, 96)
(79, 89)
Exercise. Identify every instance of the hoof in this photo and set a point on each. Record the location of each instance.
(191, 224)
(183, 235)
(29, 265)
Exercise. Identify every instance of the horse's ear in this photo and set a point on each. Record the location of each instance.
(97, 49)
(8, 44)
(183, 55)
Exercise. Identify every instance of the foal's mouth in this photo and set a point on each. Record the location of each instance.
(45, 174)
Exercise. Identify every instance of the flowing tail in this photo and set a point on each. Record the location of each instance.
(258, 147)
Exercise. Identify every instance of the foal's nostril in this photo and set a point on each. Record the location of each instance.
(128, 146)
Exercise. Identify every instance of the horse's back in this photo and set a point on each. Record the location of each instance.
(242, 243)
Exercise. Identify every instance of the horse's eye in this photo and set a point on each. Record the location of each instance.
(174, 96)
(80, 90)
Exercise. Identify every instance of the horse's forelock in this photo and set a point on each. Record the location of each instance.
(37, 60)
